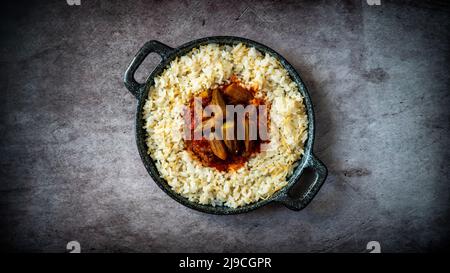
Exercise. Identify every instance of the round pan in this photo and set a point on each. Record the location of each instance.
(140, 91)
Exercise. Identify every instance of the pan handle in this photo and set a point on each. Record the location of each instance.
(306, 196)
(149, 47)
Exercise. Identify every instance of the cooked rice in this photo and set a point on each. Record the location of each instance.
(207, 67)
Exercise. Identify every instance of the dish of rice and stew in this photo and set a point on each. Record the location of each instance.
(225, 125)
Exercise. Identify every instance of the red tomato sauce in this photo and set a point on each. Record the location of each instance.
(201, 149)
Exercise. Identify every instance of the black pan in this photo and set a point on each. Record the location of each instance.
(140, 91)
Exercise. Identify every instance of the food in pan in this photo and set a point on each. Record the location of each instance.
(233, 144)
(221, 168)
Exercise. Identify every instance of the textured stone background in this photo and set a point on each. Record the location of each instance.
(70, 170)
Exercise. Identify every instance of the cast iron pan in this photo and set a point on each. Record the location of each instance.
(140, 91)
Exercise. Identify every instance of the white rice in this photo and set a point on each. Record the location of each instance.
(207, 67)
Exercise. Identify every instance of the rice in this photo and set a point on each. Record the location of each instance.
(207, 67)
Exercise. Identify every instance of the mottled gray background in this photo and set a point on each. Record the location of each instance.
(70, 169)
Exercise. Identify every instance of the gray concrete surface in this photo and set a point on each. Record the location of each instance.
(70, 170)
